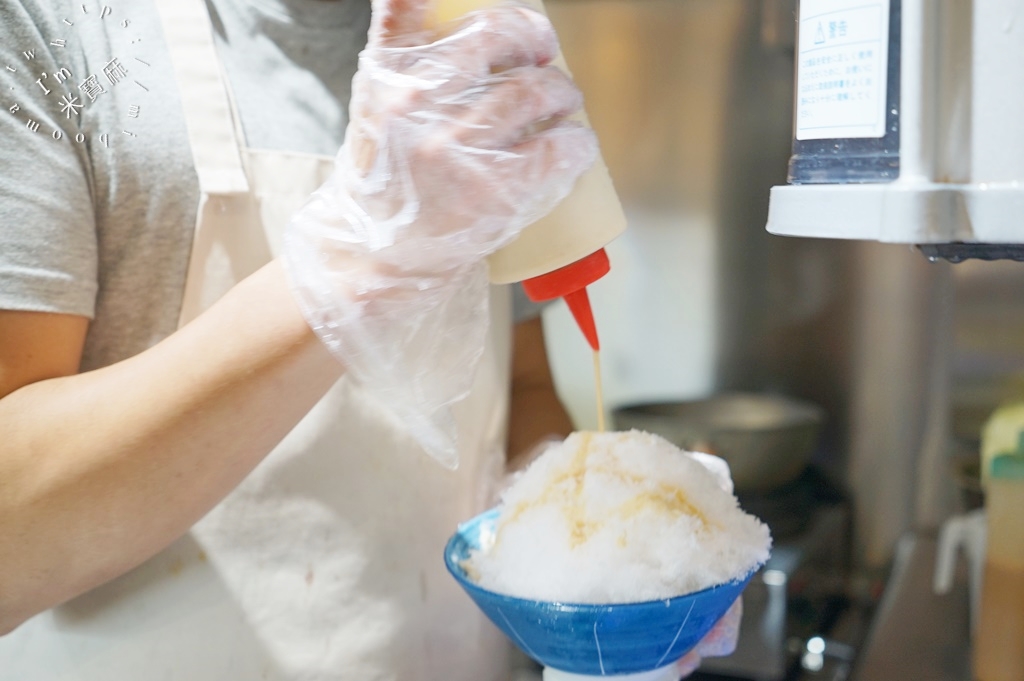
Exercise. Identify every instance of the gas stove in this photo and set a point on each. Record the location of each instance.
(793, 602)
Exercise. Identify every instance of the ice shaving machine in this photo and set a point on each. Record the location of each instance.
(909, 126)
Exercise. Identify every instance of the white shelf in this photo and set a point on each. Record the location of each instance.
(899, 212)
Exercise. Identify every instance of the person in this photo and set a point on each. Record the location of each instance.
(194, 482)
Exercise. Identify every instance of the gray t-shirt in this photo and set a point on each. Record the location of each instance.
(98, 196)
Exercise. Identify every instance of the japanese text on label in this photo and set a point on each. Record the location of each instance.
(842, 69)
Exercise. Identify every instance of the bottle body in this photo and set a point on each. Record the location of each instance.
(999, 644)
(583, 223)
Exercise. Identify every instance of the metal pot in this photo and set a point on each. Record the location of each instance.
(766, 439)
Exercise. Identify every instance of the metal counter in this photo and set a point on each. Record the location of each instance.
(917, 634)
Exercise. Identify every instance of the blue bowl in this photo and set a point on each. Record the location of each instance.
(594, 640)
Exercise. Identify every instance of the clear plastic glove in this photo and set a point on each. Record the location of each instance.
(722, 638)
(458, 139)
(718, 642)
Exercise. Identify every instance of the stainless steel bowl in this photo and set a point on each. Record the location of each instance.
(767, 439)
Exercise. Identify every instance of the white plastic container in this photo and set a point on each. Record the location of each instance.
(664, 674)
(587, 220)
(562, 253)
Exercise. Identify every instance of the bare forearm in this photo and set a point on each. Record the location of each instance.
(101, 470)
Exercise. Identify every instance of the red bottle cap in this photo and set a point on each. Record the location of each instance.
(570, 282)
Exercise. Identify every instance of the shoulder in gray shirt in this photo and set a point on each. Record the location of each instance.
(98, 196)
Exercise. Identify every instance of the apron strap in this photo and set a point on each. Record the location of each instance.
(208, 114)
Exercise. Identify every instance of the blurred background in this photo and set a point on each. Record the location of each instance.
(693, 103)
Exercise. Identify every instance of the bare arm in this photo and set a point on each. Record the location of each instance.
(536, 412)
(101, 470)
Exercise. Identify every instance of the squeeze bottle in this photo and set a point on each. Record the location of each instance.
(561, 254)
(999, 641)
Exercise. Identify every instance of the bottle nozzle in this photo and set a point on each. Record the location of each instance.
(579, 305)
(570, 282)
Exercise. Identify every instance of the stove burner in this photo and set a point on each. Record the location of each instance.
(788, 509)
(802, 590)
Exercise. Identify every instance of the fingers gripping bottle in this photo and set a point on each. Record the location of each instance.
(563, 253)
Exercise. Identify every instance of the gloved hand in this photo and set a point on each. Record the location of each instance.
(457, 140)
(722, 638)
(718, 642)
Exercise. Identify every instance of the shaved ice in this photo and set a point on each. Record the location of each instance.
(619, 517)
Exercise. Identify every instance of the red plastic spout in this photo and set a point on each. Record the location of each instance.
(570, 282)
(579, 305)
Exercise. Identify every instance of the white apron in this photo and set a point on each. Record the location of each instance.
(326, 562)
